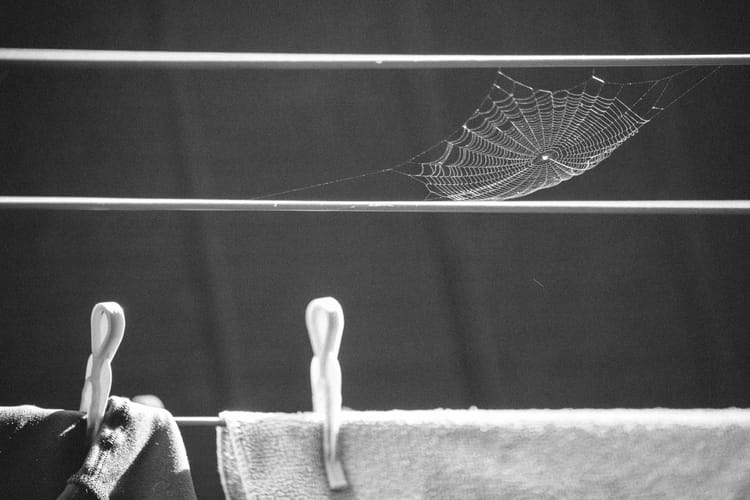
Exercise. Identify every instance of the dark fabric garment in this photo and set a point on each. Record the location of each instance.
(39, 450)
(138, 454)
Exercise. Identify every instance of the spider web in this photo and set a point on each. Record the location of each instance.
(522, 139)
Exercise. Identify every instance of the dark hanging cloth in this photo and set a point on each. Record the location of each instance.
(137, 454)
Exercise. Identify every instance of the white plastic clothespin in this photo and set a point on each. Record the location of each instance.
(325, 324)
(107, 329)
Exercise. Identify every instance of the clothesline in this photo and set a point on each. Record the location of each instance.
(261, 60)
(200, 421)
(652, 207)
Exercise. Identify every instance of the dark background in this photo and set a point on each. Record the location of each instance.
(496, 311)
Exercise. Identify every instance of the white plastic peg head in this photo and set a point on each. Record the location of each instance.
(107, 330)
(325, 325)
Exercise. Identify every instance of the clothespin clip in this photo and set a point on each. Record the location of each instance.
(107, 329)
(325, 324)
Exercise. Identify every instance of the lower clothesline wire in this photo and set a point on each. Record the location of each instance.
(581, 207)
(200, 421)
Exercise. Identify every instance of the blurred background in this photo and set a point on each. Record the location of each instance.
(497, 311)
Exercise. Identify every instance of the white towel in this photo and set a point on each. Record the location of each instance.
(517, 454)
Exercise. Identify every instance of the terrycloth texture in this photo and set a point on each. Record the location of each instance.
(516, 454)
(138, 454)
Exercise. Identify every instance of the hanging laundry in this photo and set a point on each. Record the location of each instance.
(137, 454)
(582, 454)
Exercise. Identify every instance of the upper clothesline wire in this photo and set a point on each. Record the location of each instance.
(264, 60)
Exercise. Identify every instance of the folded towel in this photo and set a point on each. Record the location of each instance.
(463, 454)
(138, 453)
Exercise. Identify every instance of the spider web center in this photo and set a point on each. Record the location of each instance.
(545, 157)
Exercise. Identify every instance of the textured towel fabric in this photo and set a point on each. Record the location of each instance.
(516, 454)
(138, 454)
